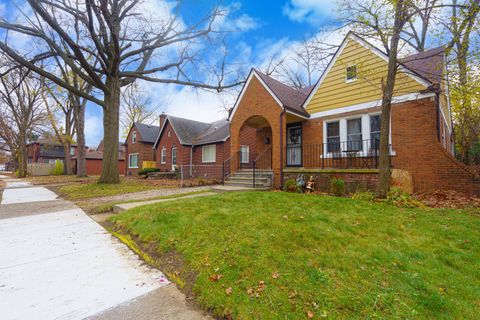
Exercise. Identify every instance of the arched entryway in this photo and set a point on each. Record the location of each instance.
(255, 141)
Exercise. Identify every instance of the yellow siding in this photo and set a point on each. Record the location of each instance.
(335, 92)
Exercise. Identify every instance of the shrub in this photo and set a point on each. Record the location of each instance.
(401, 199)
(57, 170)
(364, 195)
(146, 171)
(291, 186)
(337, 187)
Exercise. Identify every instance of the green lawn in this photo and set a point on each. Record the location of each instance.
(274, 255)
(95, 190)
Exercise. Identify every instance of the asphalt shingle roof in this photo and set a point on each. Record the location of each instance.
(429, 64)
(191, 132)
(148, 133)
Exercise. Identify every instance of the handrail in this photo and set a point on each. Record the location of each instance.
(261, 157)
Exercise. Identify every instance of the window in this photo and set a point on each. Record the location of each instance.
(133, 160)
(375, 132)
(163, 156)
(351, 73)
(354, 134)
(333, 136)
(174, 156)
(134, 136)
(209, 154)
(72, 151)
(245, 154)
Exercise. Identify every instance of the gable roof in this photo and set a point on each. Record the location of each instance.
(148, 133)
(291, 98)
(409, 70)
(191, 132)
(429, 64)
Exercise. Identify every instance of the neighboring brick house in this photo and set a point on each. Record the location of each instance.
(47, 150)
(94, 160)
(139, 146)
(199, 149)
(334, 127)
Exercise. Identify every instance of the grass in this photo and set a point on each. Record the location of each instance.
(95, 190)
(291, 256)
(67, 179)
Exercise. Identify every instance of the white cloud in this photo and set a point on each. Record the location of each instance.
(93, 127)
(311, 11)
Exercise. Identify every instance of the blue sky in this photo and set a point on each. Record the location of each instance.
(264, 27)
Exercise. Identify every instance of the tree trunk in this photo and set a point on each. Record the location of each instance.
(22, 157)
(111, 132)
(67, 166)
(80, 130)
(388, 87)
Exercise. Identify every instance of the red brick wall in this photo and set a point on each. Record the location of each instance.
(94, 166)
(169, 140)
(145, 152)
(360, 181)
(414, 139)
(257, 101)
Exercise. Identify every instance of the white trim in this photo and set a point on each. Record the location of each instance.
(371, 104)
(245, 86)
(129, 160)
(376, 51)
(214, 153)
(162, 159)
(296, 114)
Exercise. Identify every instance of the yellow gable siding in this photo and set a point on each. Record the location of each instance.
(335, 92)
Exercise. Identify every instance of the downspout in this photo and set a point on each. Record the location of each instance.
(281, 147)
(191, 160)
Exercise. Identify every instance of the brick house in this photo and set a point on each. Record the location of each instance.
(332, 129)
(94, 159)
(199, 148)
(47, 150)
(139, 146)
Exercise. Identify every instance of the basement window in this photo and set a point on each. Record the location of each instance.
(351, 73)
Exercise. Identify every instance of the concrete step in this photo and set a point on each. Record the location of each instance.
(246, 184)
(242, 178)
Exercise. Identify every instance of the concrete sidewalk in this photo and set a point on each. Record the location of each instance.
(57, 263)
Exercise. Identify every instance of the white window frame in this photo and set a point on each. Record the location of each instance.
(134, 136)
(248, 154)
(346, 73)
(130, 160)
(343, 131)
(325, 137)
(209, 146)
(163, 155)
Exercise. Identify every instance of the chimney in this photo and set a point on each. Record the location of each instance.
(163, 116)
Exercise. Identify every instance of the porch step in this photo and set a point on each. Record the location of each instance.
(244, 178)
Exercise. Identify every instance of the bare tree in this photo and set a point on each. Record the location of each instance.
(21, 112)
(137, 107)
(127, 44)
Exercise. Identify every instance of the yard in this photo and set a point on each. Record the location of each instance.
(275, 255)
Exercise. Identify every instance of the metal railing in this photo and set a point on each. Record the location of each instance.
(262, 162)
(249, 161)
(355, 154)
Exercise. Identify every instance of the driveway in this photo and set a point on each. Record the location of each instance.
(57, 263)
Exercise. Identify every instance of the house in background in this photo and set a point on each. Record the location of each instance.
(139, 146)
(47, 150)
(327, 130)
(201, 148)
(94, 160)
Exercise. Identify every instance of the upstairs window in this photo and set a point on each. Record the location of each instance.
(163, 156)
(134, 136)
(351, 73)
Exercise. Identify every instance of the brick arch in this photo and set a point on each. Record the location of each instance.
(258, 103)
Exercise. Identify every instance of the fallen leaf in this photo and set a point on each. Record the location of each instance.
(275, 275)
(228, 291)
(215, 277)
(310, 314)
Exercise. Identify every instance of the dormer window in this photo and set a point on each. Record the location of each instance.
(134, 136)
(351, 73)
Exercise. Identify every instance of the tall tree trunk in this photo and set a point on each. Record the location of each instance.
(111, 132)
(80, 130)
(22, 157)
(388, 87)
(67, 167)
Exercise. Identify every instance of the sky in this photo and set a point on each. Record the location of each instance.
(261, 28)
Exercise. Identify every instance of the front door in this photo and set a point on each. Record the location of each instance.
(294, 145)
